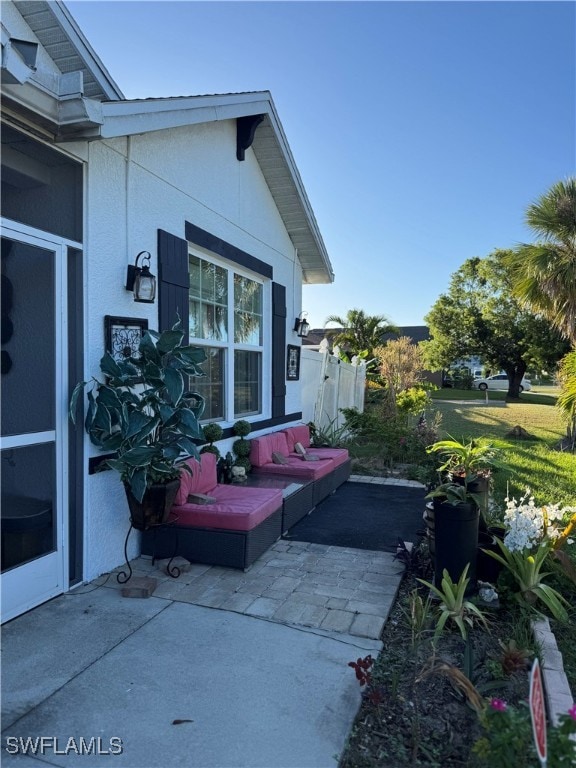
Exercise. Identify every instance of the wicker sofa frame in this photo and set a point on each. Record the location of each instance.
(233, 548)
(213, 546)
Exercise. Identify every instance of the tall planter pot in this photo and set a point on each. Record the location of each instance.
(480, 486)
(428, 518)
(155, 506)
(487, 568)
(456, 540)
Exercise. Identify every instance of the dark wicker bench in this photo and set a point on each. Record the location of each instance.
(233, 527)
(213, 546)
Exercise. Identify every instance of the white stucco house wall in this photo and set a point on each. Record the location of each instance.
(206, 185)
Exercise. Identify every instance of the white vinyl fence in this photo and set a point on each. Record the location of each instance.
(329, 384)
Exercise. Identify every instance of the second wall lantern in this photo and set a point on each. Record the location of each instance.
(301, 325)
(140, 280)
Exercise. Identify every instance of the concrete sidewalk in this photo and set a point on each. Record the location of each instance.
(218, 669)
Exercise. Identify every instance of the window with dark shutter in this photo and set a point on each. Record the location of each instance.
(278, 350)
(173, 280)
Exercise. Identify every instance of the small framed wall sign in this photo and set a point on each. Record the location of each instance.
(123, 336)
(293, 363)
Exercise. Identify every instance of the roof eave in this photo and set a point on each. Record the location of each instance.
(126, 118)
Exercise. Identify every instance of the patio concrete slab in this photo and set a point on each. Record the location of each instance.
(258, 693)
(218, 669)
(46, 648)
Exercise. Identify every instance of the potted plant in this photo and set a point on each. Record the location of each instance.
(456, 516)
(241, 447)
(470, 464)
(144, 412)
(212, 433)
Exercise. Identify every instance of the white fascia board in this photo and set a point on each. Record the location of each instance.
(85, 50)
(58, 114)
(288, 157)
(127, 118)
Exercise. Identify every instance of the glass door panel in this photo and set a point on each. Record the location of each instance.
(28, 501)
(31, 429)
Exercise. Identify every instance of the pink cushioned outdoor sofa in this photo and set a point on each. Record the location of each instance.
(233, 530)
(330, 470)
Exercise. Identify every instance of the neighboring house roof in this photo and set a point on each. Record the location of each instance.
(315, 336)
(415, 332)
(85, 103)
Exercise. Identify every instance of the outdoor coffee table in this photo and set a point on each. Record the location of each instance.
(297, 495)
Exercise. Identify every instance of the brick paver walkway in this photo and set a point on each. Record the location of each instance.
(336, 589)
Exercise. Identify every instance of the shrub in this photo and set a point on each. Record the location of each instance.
(212, 432)
(358, 424)
(210, 449)
(413, 401)
(241, 448)
(242, 428)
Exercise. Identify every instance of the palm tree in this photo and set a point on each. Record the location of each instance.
(567, 397)
(544, 273)
(359, 333)
(544, 279)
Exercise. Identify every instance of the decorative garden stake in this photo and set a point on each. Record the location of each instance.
(538, 711)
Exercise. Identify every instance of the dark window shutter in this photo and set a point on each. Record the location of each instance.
(278, 350)
(173, 282)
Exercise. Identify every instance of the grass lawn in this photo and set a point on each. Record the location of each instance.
(534, 463)
(550, 474)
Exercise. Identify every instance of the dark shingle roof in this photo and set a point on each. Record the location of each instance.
(416, 332)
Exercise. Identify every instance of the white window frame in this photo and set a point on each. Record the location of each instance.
(230, 346)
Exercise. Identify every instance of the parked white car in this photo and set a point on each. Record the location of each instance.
(499, 381)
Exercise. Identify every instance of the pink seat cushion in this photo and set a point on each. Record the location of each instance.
(310, 470)
(262, 448)
(338, 455)
(202, 479)
(300, 434)
(238, 509)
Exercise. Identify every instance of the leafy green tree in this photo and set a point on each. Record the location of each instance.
(358, 333)
(480, 316)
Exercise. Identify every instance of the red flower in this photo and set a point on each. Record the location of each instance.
(499, 705)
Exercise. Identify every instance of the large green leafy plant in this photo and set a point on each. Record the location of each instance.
(471, 459)
(144, 411)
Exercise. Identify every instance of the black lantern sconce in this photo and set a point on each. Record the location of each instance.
(141, 280)
(301, 325)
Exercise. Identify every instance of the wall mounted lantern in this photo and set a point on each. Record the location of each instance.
(301, 325)
(141, 280)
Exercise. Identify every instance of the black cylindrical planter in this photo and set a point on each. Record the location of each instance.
(456, 535)
(497, 531)
(428, 518)
(480, 486)
(487, 569)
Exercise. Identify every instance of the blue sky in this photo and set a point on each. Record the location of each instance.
(421, 130)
